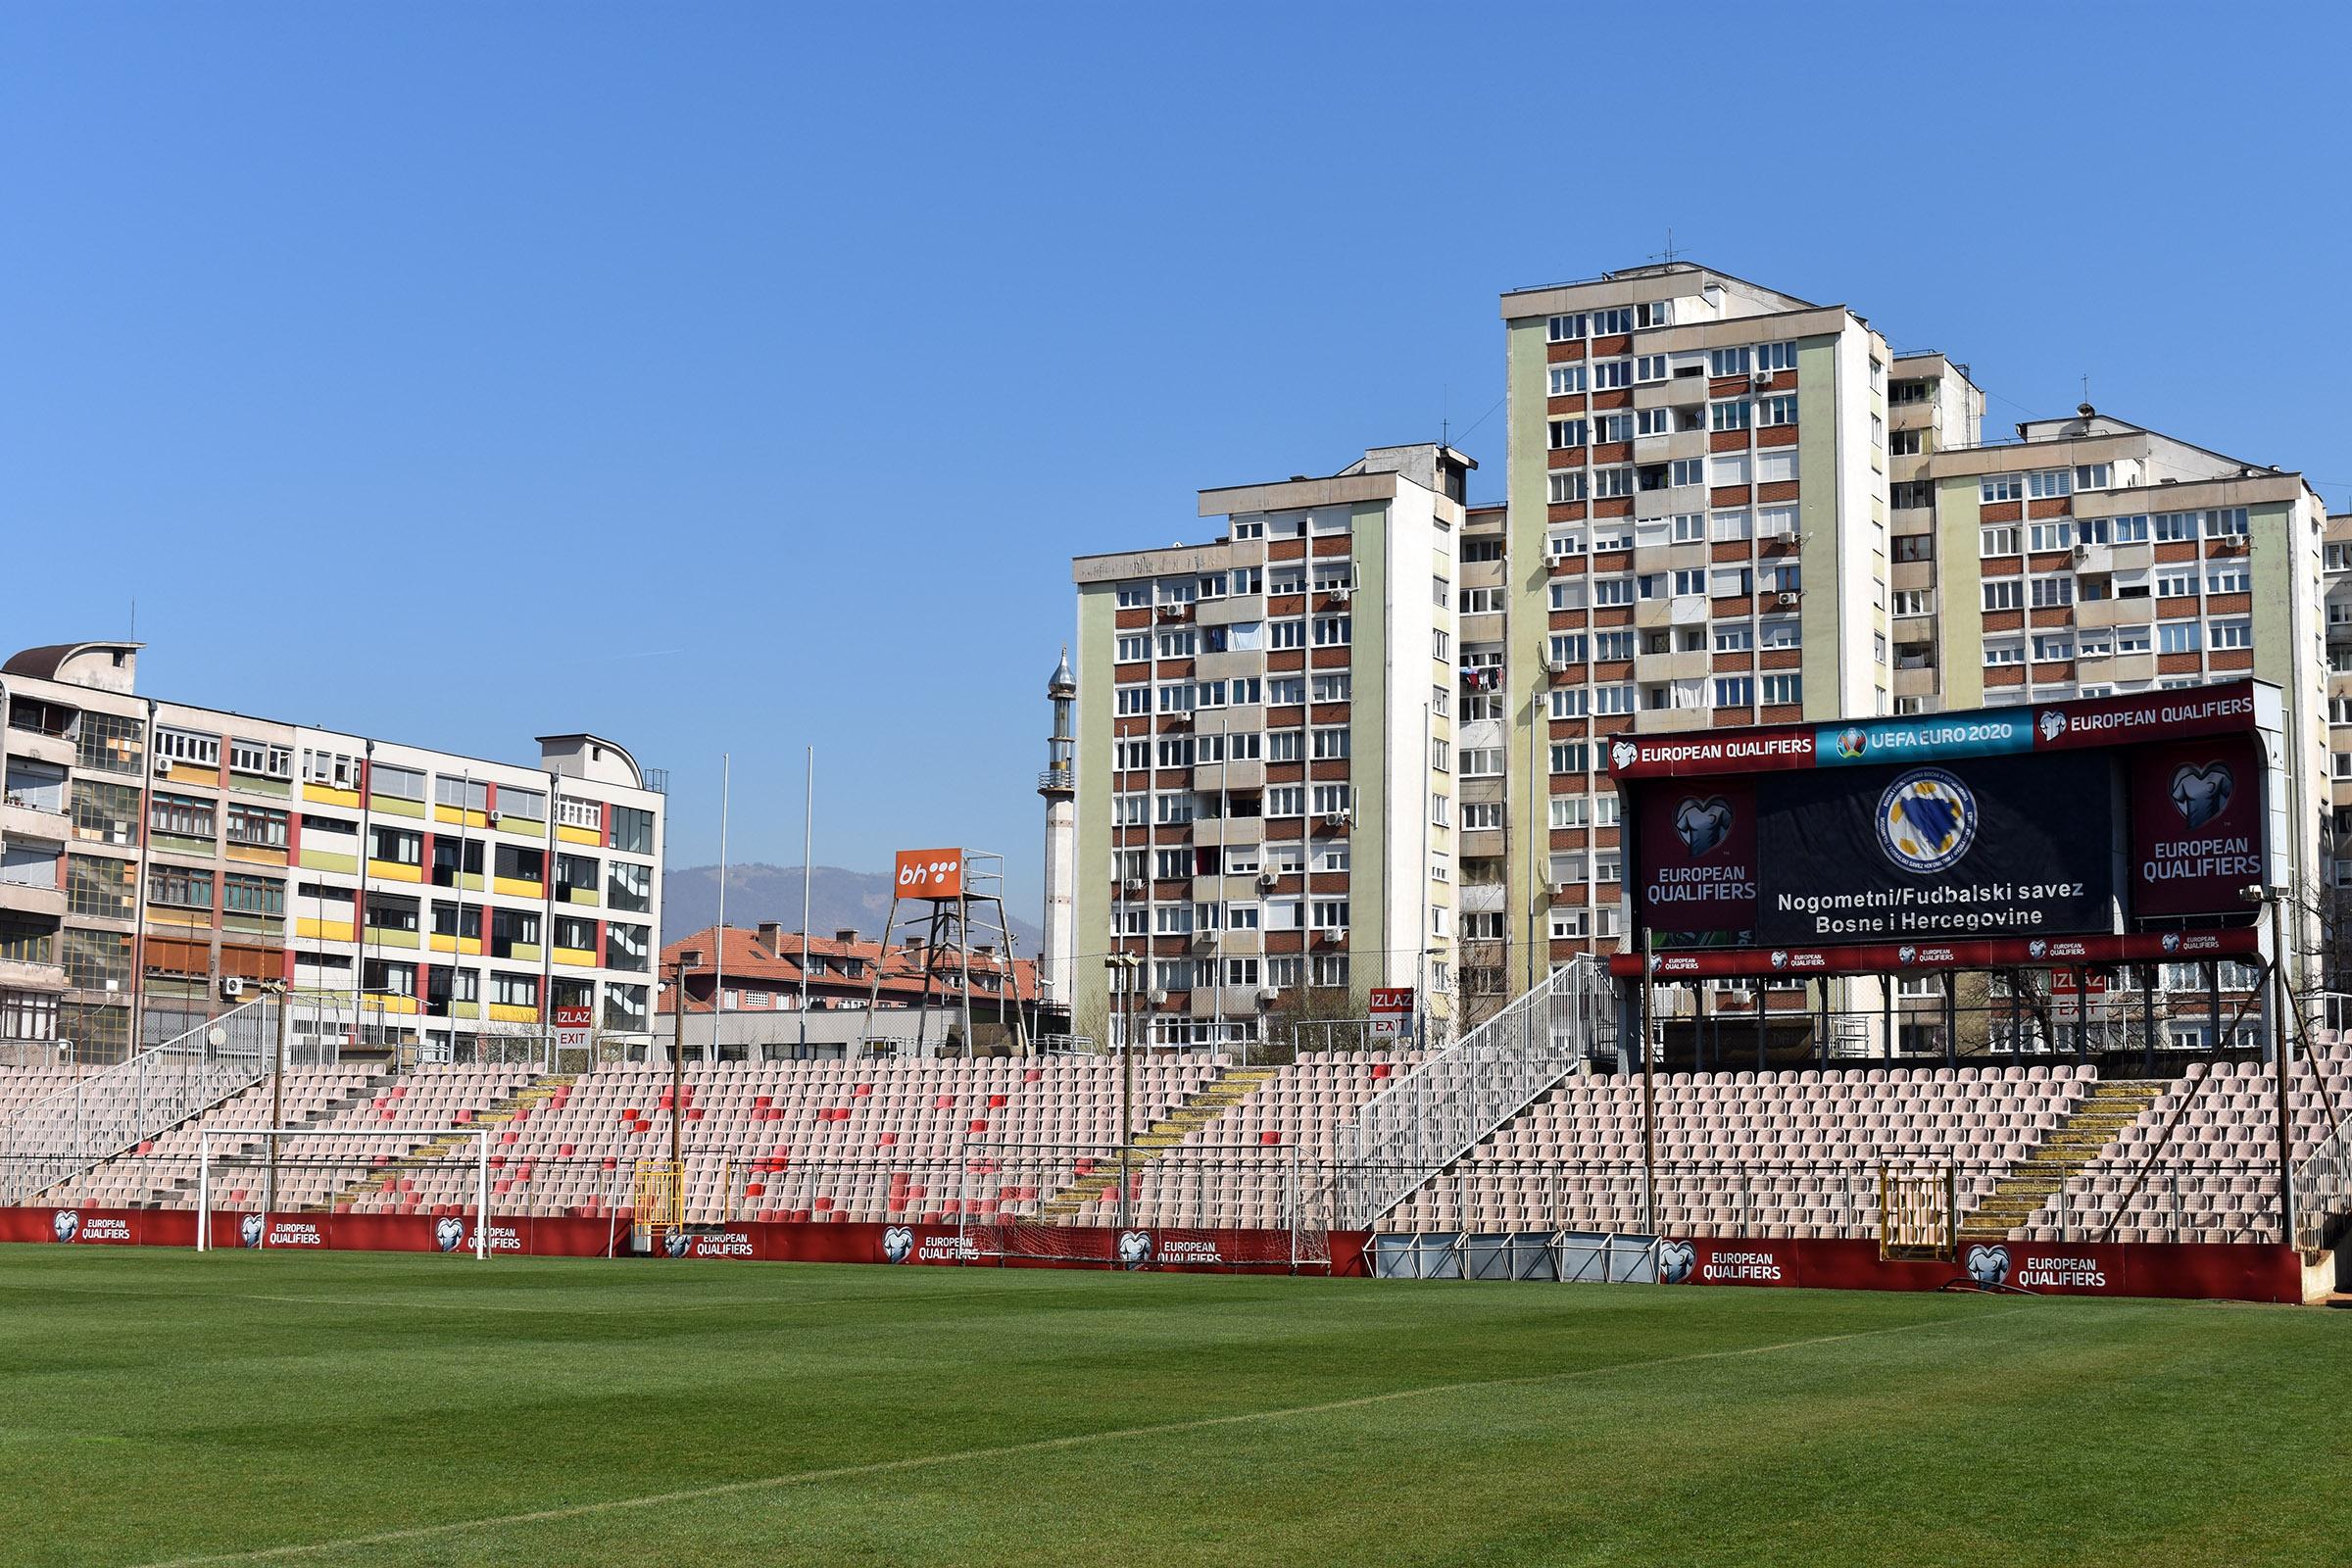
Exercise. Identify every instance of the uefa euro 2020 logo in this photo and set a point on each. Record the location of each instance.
(1927, 820)
(1852, 742)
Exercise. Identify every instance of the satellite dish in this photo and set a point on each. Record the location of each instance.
(215, 1037)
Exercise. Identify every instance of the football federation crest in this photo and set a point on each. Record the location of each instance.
(1927, 820)
(2201, 794)
(1702, 825)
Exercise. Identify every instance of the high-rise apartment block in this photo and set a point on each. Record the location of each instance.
(159, 860)
(1265, 758)
(1724, 505)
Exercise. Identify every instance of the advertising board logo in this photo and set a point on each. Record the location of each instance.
(449, 1233)
(1852, 742)
(2171, 942)
(1988, 1266)
(2053, 723)
(66, 1224)
(1927, 820)
(898, 1244)
(1905, 954)
(1676, 1259)
(1135, 1247)
(677, 1244)
(2201, 794)
(1780, 958)
(2038, 948)
(1703, 826)
(249, 1230)
(1622, 754)
(930, 873)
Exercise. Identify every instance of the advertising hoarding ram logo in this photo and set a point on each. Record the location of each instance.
(1702, 825)
(2202, 792)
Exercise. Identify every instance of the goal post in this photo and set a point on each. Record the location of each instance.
(415, 1142)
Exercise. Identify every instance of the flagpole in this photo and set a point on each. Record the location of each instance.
(807, 872)
(718, 991)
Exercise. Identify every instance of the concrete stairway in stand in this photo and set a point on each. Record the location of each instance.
(1218, 1095)
(2110, 1108)
(384, 1177)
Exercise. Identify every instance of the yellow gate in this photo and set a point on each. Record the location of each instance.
(658, 1202)
(1918, 1211)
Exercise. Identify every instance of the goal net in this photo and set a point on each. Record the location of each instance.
(1148, 1206)
(294, 1186)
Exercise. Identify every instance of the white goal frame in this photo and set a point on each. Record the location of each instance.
(421, 1134)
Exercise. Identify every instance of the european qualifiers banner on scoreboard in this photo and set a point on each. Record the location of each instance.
(2100, 830)
(1957, 849)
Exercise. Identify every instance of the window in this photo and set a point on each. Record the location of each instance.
(1327, 914)
(1327, 970)
(1285, 799)
(1728, 361)
(179, 888)
(2094, 476)
(1609, 484)
(180, 816)
(1330, 744)
(1482, 601)
(1566, 648)
(1908, 444)
(1784, 689)
(252, 895)
(2049, 484)
(2057, 534)
(2177, 582)
(1783, 632)
(1332, 631)
(1776, 468)
(1613, 701)
(1995, 487)
(630, 830)
(187, 746)
(1613, 644)
(1480, 815)
(2234, 634)
(1651, 368)
(1915, 601)
(1612, 324)
(1567, 380)
(1612, 533)
(388, 913)
(1654, 313)
(1567, 485)
(1732, 415)
(260, 758)
(2172, 526)
(1728, 468)
(2179, 637)
(514, 989)
(1134, 595)
(2051, 592)
(1611, 374)
(396, 783)
(1687, 472)
(1328, 854)
(1998, 541)
(1734, 691)
(531, 807)
(257, 826)
(2053, 648)
(2132, 529)
(1733, 636)
(1565, 328)
(1775, 357)
(331, 768)
(2004, 593)
(1612, 590)
(2229, 577)
(1777, 410)
(395, 845)
(1570, 757)
(1481, 762)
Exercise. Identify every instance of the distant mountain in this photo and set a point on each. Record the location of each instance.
(838, 900)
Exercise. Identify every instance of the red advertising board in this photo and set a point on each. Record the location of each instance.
(2007, 953)
(2196, 827)
(1700, 872)
(930, 874)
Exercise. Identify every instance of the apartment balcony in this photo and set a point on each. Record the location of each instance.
(1912, 416)
(1241, 887)
(1227, 612)
(2115, 668)
(1909, 577)
(1222, 830)
(1671, 720)
(1485, 626)
(1917, 680)
(1224, 1002)
(15, 976)
(1227, 665)
(1482, 574)
(1684, 609)
(2094, 615)
(1694, 664)
(20, 821)
(2339, 792)
(25, 898)
(1249, 774)
(1483, 897)
(40, 746)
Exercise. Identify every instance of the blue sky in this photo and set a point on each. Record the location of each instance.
(731, 378)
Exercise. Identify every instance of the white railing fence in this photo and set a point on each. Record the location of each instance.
(1426, 1120)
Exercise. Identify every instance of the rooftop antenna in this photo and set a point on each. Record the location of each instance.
(1445, 423)
(134, 622)
(1669, 254)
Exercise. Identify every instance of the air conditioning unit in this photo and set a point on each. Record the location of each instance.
(1337, 818)
(2081, 552)
(1204, 939)
(1559, 667)
(163, 766)
(1761, 380)
(1785, 598)
(1266, 879)
(1174, 611)
(1134, 884)
(231, 987)
(490, 817)
(1343, 593)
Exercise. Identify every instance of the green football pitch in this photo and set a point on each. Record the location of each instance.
(162, 1406)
